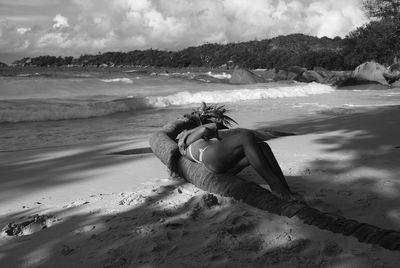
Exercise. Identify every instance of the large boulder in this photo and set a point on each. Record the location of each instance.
(242, 76)
(313, 76)
(371, 72)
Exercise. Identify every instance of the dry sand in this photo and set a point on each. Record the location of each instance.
(98, 209)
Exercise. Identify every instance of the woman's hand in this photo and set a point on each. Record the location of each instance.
(209, 133)
(182, 141)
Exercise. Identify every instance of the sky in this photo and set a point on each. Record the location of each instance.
(73, 27)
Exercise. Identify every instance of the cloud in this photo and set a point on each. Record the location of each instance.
(23, 30)
(94, 25)
(60, 22)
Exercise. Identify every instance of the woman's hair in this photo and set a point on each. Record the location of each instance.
(211, 114)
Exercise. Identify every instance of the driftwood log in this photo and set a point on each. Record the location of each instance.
(165, 148)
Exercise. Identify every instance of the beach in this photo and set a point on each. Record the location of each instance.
(87, 192)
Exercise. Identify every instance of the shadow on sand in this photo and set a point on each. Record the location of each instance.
(158, 235)
(371, 138)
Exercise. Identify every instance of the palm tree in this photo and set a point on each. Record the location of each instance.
(211, 114)
(166, 149)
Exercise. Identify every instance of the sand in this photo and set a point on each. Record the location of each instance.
(86, 206)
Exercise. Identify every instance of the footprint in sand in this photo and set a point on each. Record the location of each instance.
(117, 257)
(331, 248)
(67, 250)
(76, 204)
(323, 192)
(174, 230)
(134, 198)
(344, 193)
(366, 202)
(32, 225)
(322, 205)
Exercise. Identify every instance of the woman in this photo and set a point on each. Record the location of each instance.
(223, 150)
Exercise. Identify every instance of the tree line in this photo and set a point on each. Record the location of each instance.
(378, 40)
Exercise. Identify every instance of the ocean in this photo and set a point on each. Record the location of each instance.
(40, 110)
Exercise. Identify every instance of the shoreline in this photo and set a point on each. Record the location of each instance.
(121, 210)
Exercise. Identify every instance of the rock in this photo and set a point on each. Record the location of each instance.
(268, 75)
(394, 73)
(342, 74)
(297, 69)
(242, 76)
(320, 69)
(291, 76)
(313, 76)
(328, 75)
(371, 71)
(396, 84)
(395, 68)
(281, 75)
(339, 77)
(31, 225)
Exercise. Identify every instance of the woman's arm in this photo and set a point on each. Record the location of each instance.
(260, 136)
(206, 131)
(187, 137)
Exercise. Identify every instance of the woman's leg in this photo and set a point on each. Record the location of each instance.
(227, 153)
(243, 163)
(269, 155)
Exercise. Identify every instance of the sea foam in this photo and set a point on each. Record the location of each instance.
(113, 80)
(220, 76)
(230, 96)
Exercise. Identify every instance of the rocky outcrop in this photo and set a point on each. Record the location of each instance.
(371, 71)
(366, 73)
(301, 74)
(242, 76)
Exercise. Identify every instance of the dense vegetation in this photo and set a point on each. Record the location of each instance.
(378, 40)
(278, 52)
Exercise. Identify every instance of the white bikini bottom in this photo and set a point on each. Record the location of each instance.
(201, 152)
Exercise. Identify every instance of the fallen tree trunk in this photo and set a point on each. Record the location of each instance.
(166, 149)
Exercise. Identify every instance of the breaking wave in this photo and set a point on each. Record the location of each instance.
(226, 96)
(58, 109)
(123, 80)
(220, 76)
